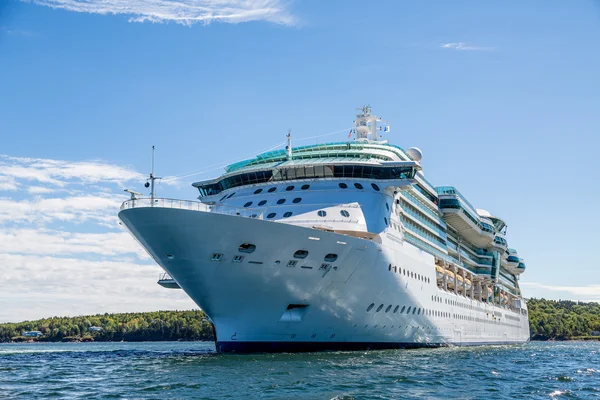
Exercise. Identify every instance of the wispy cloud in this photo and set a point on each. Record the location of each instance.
(582, 293)
(186, 12)
(61, 249)
(464, 46)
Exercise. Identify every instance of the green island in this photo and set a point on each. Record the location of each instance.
(549, 320)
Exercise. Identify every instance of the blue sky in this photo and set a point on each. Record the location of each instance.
(501, 97)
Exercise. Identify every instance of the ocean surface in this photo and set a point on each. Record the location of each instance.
(182, 370)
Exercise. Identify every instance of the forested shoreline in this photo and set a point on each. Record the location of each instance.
(549, 320)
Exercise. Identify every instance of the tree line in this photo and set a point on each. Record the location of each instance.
(548, 320)
(131, 327)
(562, 319)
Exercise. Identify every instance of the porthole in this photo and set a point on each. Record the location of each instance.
(396, 309)
(280, 201)
(271, 190)
(262, 202)
(403, 308)
(287, 214)
(297, 200)
(321, 213)
(248, 204)
(289, 188)
(374, 186)
(342, 185)
(388, 308)
(331, 257)
(370, 307)
(358, 185)
(271, 215)
(246, 248)
(304, 187)
(301, 254)
(231, 195)
(379, 308)
(345, 213)
(257, 191)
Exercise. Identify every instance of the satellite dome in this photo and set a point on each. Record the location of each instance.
(415, 153)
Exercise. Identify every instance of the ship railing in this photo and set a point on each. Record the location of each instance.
(191, 205)
(164, 276)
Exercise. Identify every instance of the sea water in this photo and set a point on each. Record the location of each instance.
(182, 370)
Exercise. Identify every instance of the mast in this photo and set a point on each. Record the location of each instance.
(288, 148)
(152, 179)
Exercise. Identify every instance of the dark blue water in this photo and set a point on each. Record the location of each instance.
(194, 370)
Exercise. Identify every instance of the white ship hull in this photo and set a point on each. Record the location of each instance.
(262, 304)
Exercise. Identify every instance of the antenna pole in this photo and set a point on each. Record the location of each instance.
(152, 179)
(289, 144)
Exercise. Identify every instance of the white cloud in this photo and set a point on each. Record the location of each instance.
(62, 173)
(8, 183)
(39, 287)
(60, 243)
(59, 251)
(39, 190)
(75, 209)
(185, 12)
(463, 46)
(582, 293)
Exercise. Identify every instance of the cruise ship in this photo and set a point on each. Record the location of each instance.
(336, 246)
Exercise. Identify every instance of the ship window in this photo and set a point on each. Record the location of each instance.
(257, 191)
(370, 307)
(403, 308)
(246, 248)
(419, 312)
(304, 187)
(342, 185)
(271, 215)
(287, 214)
(301, 254)
(395, 269)
(216, 257)
(271, 190)
(292, 263)
(408, 310)
(253, 216)
(238, 259)
(321, 213)
(262, 202)
(248, 204)
(297, 200)
(385, 220)
(414, 310)
(379, 308)
(388, 308)
(387, 206)
(223, 198)
(345, 213)
(331, 257)
(289, 188)
(396, 309)
(358, 186)
(375, 187)
(280, 201)
(390, 267)
(231, 195)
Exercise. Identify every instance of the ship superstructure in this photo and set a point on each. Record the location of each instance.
(341, 245)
